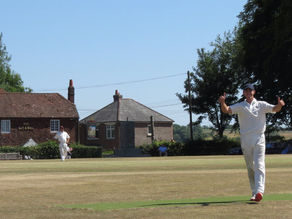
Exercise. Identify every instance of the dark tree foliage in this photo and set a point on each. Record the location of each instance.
(9, 80)
(216, 72)
(182, 133)
(266, 38)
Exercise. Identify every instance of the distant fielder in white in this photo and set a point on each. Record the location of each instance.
(63, 139)
(252, 122)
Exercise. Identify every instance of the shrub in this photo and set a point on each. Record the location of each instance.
(8, 149)
(217, 146)
(45, 150)
(81, 151)
(173, 148)
(50, 150)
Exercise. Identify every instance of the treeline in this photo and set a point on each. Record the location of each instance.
(182, 133)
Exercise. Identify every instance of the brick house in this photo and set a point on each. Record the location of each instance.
(124, 123)
(36, 116)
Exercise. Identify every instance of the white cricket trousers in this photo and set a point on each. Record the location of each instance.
(253, 147)
(63, 150)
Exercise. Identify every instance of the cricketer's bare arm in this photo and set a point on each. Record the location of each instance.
(279, 106)
(224, 107)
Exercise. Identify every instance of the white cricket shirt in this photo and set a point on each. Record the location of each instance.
(62, 137)
(252, 117)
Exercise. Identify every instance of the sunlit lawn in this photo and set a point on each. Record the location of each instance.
(161, 187)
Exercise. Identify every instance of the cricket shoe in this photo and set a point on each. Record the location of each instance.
(253, 198)
(259, 197)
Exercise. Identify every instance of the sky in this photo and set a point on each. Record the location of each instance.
(142, 48)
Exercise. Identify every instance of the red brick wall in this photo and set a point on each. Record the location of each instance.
(162, 131)
(141, 131)
(101, 141)
(37, 129)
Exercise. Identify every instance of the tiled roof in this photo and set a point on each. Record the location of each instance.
(126, 110)
(36, 105)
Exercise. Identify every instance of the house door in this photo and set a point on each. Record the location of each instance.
(127, 135)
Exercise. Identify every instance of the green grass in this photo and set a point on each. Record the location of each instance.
(179, 202)
(149, 187)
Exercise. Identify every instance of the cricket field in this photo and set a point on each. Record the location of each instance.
(149, 187)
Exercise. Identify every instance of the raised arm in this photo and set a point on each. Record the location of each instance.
(279, 106)
(224, 107)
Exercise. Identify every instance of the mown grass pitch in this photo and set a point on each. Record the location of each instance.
(178, 202)
(159, 187)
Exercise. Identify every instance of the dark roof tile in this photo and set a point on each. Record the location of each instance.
(36, 105)
(125, 110)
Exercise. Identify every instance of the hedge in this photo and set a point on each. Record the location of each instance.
(82, 151)
(197, 147)
(217, 146)
(50, 150)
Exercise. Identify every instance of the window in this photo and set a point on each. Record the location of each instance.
(149, 130)
(110, 131)
(5, 126)
(92, 131)
(55, 125)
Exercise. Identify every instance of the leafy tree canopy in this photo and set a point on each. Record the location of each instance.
(216, 72)
(9, 80)
(266, 37)
(182, 133)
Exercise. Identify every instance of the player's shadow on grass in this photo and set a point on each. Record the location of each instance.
(206, 203)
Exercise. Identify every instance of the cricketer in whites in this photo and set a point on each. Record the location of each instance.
(252, 123)
(63, 138)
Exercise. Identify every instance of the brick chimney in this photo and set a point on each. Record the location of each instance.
(117, 96)
(71, 92)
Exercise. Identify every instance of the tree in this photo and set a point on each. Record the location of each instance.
(9, 80)
(216, 72)
(266, 37)
(181, 133)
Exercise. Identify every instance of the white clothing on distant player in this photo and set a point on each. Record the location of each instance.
(252, 123)
(62, 138)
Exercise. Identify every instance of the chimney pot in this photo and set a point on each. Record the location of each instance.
(117, 96)
(71, 83)
(71, 92)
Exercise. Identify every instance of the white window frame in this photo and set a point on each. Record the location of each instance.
(54, 125)
(110, 131)
(5, 126)
(149, 130)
